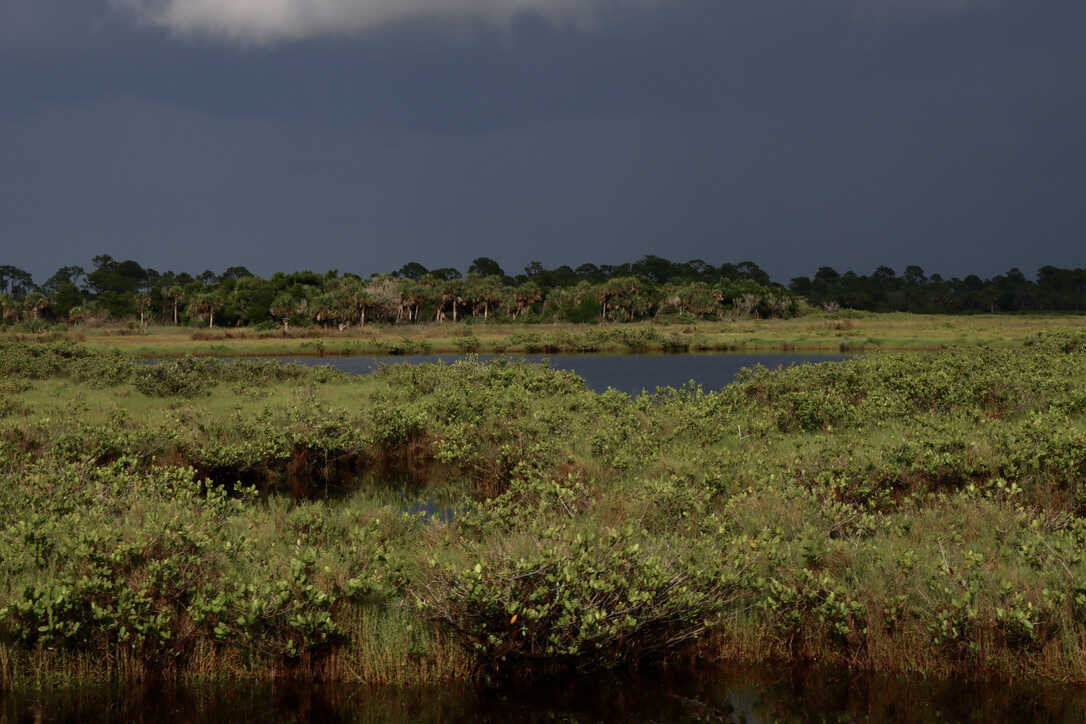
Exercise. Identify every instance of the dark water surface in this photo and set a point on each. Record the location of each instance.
(713, 694)
(628, 373)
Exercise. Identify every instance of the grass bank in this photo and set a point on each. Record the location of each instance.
(897, 513)
(845, 331)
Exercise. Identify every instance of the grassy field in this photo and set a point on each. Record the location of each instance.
(921, 513)
(848, 331)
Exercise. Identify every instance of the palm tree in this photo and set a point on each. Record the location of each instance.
(344, 309)
(175, 294)
(143, 302)
(285, 305)
(524, 296)
(473, 293)
(206, 303)
(9, 308)
(35, 302)
(624, 295)
(356, 298)
(385, 298)
(214, 303)
(489, 291)
(454, 291)
(443, 292)
(699, 298)
(606, 293)
(334, 305)
(411, 295)
(323, 308)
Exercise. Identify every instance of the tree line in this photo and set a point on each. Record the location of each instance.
(1054, 290)
(649, 287)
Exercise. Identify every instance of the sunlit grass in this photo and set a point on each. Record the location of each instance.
(820, 332)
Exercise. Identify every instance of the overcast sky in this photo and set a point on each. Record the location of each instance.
(363, 134)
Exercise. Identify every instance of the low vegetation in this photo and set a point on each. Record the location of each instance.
(844, 331)
(897, 512)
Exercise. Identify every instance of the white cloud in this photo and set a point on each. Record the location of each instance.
(271, 20)
(263, 21)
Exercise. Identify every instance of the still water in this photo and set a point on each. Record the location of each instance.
(710, 694)
(628, 373)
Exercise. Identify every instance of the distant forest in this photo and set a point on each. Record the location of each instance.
(647, 288)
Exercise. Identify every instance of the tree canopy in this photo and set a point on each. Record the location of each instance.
(648, 287)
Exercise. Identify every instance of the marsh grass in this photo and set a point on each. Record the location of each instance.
(909, 513)
(848, 331)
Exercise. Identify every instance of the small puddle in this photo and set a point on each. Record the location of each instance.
(431, 511)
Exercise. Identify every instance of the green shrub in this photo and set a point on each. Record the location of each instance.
(579, 599)
(174, 378)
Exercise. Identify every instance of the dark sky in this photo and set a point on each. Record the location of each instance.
(362, 134)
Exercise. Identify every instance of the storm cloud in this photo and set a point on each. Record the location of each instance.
(795, 133)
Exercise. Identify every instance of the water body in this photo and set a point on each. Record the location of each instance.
(706, 694)
(628, 373)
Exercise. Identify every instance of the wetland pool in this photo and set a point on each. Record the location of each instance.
(630, 373)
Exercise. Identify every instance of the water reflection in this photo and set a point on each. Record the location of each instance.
(712, 694)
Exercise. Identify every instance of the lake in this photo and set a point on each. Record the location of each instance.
(718, 693)
(628, 373)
